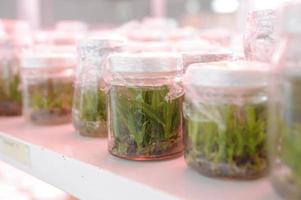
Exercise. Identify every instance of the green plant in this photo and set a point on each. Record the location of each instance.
(291, 151)
(10, 92)
(89, 112)
(227, 140)
(290, 133)
(50, 98)
(144, 123)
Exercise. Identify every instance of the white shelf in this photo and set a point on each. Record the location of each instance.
(82, 167)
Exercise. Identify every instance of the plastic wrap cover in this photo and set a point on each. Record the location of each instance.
(145, 105)
(260, 35)
(225, 111)
(89, 104)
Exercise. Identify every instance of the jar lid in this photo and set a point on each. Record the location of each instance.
(225, 74)
(43, 59)
(291, 17)
(145, 62)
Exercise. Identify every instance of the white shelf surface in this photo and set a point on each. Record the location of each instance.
(82, 167)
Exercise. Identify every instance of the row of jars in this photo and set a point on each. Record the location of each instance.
(138, 99)
(217, 113)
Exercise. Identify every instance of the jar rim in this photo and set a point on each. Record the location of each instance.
(224, 74)
(146, 62)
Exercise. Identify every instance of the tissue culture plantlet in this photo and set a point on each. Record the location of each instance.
(227, 140)
(144, 122)
(10, 92)
(291, 152)
(51, 101)
(89, 114)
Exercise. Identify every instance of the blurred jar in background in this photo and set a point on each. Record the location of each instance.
(69, 32)
(217, 36)
(47, 83)
(10, 88)
(201, 51)
(285, 110)
(15, 38)
(18, 32)
(89, 111)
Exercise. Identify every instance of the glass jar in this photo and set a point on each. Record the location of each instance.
(10, 87)
(145, 106)
(89, 105)
(285, 112)
(47, 81)
(286, 140)
(225, 112)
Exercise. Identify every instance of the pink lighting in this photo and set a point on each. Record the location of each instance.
(158, 8)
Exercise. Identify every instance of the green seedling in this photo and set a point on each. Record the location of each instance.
(144, 122)
(50, 99)
(290, 133)
(227, 140)
(89, 112)
(10, 92)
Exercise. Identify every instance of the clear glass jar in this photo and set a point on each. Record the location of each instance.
(286, 135)
(225, 112)
(14, 39)
(89, 112)
(285, 111)
(47, 81)
(145, 106)
(10, 81)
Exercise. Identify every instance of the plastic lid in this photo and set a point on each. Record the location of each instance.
(291, 17)
(38, 60)
(227, 74)
(146, 62)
